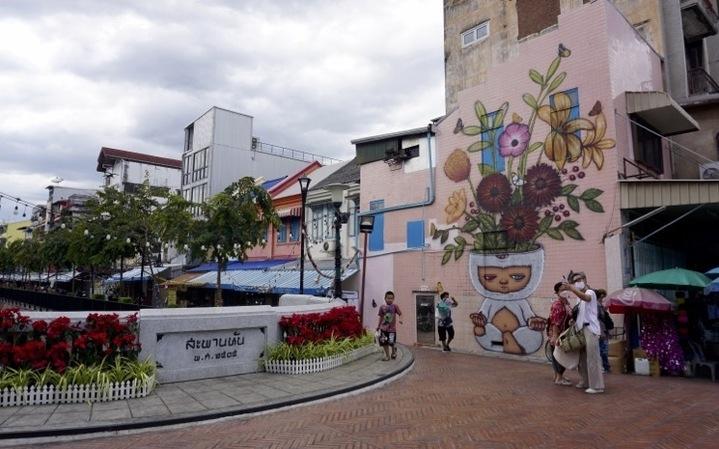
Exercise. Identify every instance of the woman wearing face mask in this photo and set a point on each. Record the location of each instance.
(558, 322)
(590, 361)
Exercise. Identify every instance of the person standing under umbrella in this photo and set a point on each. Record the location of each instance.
(590, 361)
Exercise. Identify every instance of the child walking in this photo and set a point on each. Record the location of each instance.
(387, 326)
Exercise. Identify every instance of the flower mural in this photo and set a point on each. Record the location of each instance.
(520, 201)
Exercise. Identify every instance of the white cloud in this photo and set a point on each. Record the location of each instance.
(78, 75)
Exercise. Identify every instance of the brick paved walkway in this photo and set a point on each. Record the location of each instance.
(464, 401)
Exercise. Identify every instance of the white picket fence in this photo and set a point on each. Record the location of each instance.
(76, 393)
(317, 365)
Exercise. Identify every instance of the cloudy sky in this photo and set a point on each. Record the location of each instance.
(78, 75)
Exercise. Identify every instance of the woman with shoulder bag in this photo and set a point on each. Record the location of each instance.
(590, 362)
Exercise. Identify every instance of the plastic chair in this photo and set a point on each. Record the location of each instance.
(698, 360)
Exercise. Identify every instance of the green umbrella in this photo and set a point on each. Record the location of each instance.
(672, 279)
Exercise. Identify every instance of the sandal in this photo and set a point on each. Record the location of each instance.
(385, 359)
(394, 354)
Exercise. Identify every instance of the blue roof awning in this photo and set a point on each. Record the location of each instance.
(274, 281)
(235, 265)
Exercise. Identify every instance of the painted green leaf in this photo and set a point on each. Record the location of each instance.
(499, 116)
(433, 230)
(447, 256)
(444, 236)
(545, 223)
(460, 240)
(479, 242)
(556, 82)
(458, 252)
(590, 194)
(530, 100)
(479, 146)
(481, 112)
(569, 188)
(470, 226)
(555, 234)
(471, 130)
(536, 145)
(486, 169)
(553, 68)
(536, 77)
(486, 222)
(594, 206)
(570, 228)
(516, 197)
(573, 203)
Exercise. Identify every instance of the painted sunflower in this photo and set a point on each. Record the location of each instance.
(542, 185)
(521, 223)
(494, 192)
(562, 143)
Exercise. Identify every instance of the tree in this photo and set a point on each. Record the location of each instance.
(233, 222)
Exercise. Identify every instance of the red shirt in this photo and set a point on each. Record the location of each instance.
(558, 315)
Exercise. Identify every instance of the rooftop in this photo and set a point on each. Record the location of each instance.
(107, 157)
(407, 132)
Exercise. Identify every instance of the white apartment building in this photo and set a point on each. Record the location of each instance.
(126, 170)
(220, 149)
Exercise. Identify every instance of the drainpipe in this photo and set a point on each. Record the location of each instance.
(430, 195)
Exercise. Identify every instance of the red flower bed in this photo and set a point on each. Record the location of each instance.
(339, 322)
(38, 345)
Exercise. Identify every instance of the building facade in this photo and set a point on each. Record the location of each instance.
(220, 149)
(127, 170)
(530, 174)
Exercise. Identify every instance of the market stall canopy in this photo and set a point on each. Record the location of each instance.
(661, 112)
(672, 279)
(713, 273)
(184, 280)
(236, 265)
(713, 287)
(636, 299)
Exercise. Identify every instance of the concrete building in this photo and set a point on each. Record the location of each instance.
(18, 230)
(64, 202)
(482, 34)
(126, 170)
(220, 149)
(543, 166)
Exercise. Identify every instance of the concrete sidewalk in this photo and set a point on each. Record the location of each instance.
(200, 400)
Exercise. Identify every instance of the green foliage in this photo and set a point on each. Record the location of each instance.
(121, 370)
(310, 350)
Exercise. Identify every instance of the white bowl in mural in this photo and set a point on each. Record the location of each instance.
(516, 275)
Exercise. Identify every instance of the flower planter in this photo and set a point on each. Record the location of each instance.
(76, 393)
(317, 365)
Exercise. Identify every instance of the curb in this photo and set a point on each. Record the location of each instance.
(32, 436)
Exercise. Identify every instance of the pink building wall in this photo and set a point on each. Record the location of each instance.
(595, 43)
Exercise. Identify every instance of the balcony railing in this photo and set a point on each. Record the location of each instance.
(700, 82)
(290, 153)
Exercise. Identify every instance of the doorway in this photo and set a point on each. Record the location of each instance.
(425, 320)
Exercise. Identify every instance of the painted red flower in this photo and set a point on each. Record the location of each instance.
(494, 192)
(521, 223)
(542, 185)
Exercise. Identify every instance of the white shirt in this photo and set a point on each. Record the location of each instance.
(588, 314)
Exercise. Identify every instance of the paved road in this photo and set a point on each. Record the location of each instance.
(463, 401)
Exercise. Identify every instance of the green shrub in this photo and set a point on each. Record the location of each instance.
(125, 300)
(312, 350)
(98, 296)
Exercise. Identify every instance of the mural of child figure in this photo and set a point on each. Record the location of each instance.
(387, 325)
(506, 321)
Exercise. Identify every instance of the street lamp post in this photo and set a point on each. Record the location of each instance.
(337, 193)
(366, 226)
(304, 186)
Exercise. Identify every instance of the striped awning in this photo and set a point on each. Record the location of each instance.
(291, 212)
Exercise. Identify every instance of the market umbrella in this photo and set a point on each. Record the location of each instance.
(672, 279)
(713, 287)
(713, 273)
(636, 299)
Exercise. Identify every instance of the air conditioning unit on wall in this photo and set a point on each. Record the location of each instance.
(329, 246)
(709, 170)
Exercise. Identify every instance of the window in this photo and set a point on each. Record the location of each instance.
(376, 239)
(475, 34)
(294, 225)
(648, 148)
(322, 216)
(199, 164)
(289, 230)
(491, 156)
(189, 134)
(573, 95)
(186, 169)
(415, 234)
